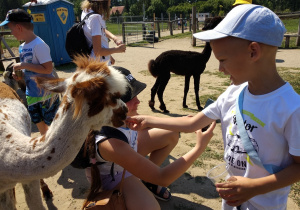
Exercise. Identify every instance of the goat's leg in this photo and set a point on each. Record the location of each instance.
(186, 90)
(160, 92)
(153, 93)
(8, 200)
(47, 193)
(33, 195)
(196, 88)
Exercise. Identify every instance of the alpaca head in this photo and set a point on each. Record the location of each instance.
(8, 79)
(211, 23)
(91, 94)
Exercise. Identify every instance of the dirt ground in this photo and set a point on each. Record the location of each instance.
(192, 190)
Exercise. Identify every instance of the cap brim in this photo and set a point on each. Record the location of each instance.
(138, 87)
(209, 35)
(4, 23)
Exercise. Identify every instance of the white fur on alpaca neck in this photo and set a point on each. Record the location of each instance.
(23, 159)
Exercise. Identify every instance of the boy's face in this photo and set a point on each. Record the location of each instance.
(132, 106)
(234, 57)
(16, 30)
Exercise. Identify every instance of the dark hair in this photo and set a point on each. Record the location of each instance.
(28, 26)
(96, 184)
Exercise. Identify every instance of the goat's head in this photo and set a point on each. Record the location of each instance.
(211, 23)
(93, 91)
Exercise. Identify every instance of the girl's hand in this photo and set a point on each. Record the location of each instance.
(121, 48)
(136, 123)
(203, 138)
(237, 190)
(118, 42)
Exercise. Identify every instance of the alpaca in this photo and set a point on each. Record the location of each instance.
(20, 88)
(91, 100)
(180, 62)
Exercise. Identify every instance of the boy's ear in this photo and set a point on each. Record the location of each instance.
(255, 51)
(19, 27)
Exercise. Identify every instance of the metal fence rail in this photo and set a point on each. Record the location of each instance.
(138, 34)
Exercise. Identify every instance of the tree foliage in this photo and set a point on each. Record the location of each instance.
(6, 5)
(174, 7)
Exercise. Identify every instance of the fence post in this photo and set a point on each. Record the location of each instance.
(190, 23)
(1, 54)
(171, 28)
(168, 27)
(154, 21)
(298, 38)
(123, 32)
(158, 29)
(194, 25)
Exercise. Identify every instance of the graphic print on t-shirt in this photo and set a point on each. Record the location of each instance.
(235, 153)
(26, 55)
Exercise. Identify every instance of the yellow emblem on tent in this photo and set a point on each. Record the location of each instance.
(62, 14)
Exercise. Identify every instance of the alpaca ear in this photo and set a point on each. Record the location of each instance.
(56, 85)
(94, 91)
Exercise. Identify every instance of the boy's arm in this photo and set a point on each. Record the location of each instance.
(179, 124)
(44, 68)
(243, 188)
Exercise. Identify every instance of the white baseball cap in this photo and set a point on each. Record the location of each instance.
(248, 21)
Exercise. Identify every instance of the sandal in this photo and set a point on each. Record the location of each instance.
(160, 195)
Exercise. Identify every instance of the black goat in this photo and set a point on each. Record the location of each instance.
(180, 62)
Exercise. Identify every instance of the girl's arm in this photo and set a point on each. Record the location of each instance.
(121, 153)
(113, 37)
(179, 124)
(99, 51)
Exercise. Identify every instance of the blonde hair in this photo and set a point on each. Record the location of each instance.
(100, 7)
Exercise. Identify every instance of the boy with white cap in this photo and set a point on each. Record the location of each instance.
(245, 43)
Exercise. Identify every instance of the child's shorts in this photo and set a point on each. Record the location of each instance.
(42, 111)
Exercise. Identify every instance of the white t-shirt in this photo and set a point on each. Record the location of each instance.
(35, 52)
(272, 122)
(132, 140)
(95, 25)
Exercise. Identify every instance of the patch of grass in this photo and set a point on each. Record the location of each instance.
(178, 36)
(295, 192)
(292, 75)
(216, 73)
(203, 98)
(68, 67)
(291, 25)
(139, 44)
(11, 42)
(145, 73)
(210, 153)
(114, 28)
